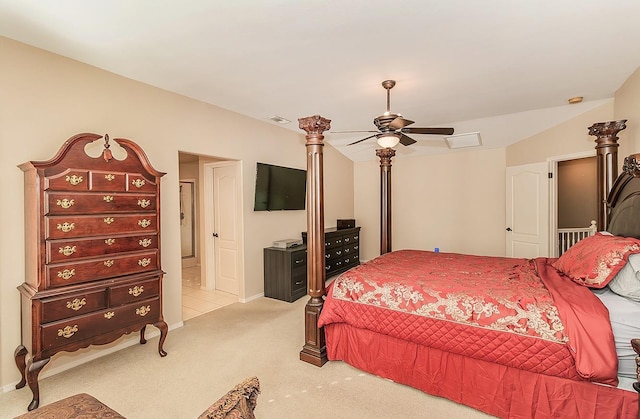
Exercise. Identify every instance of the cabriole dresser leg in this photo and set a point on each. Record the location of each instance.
(142, 338)
(20, 355)
(33, 370)
(163, 335)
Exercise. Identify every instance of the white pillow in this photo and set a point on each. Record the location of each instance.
(627, 282)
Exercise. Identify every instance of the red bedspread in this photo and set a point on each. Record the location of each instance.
(514, 312)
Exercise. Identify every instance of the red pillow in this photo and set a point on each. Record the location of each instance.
(595, 260)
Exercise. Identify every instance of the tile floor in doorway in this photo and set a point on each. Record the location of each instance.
(196, 301)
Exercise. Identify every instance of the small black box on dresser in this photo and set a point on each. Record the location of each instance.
(346, 223)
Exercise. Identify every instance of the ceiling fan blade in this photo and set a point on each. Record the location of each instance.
(405, 140)
(399, 123)
(433, 131)
(359, 141)
(346, 132)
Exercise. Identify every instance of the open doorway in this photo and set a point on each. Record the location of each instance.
(197, 298)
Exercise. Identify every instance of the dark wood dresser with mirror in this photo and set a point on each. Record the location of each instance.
(92, 238)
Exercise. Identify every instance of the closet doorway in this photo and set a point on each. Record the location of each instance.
(196, 299)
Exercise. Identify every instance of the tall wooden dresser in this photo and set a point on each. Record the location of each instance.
(92, 237)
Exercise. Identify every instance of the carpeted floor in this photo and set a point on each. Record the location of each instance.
(215, 351)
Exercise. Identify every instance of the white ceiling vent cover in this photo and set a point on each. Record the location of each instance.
(471, 139)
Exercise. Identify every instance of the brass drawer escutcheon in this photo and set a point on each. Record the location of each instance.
(143, 311)
(68, 331)
(74, 180)
(138, 183)
(65, 203)
(109, 263)
(66, 274)
(109, 242)
(107, 198)
(144, 223)
(76, 304)
(144, 262)
(109, 177)
(67, 250)
(136, 291)
(109, 314)
(108, 220)
(145, 242)
(66, 227)
(144, 203)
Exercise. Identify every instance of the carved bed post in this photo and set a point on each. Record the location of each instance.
(385, 154)
(607, 161)
(314, 350)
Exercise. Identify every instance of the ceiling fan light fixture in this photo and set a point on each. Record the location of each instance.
(471, 139)
(388, 140)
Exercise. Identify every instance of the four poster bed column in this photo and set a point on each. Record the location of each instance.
(607, 161)
(314, 350)
(385, 154)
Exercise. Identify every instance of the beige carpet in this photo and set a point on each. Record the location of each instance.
(213, 352)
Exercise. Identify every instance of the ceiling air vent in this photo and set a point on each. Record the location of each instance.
(279, 119)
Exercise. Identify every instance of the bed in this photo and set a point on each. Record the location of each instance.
(510, 337)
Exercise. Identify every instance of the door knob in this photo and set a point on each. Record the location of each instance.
(215, 234)
(509, 229)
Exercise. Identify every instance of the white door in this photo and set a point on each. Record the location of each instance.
(527, 197)
(226, 231)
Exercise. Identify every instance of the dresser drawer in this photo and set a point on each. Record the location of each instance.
(65, 250)
(336, 252)
(59, 203)
(73, 305)
(57, 335)
(137, 183)
(69, 180)
(108, 181)
(59, 227)
(73, 273)
(351, 249)
(332, 241)
(125, 294)
(351, 239)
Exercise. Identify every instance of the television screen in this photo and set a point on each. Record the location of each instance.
(279, 188)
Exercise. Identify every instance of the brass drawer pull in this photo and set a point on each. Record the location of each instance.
(136, 291)
(145, 242)
(65, 203)
(68, 331)
(67, 250)
(108, 220)
(109, 177)
(66, 274)
(76, 304)
(107, 198)
(144, 262)
(109, 263)
(66, 227)
(138, 183)
(74, 180)
(109, 242)
(109, 314)
(144, 203)
(143, 311)
(144, 223)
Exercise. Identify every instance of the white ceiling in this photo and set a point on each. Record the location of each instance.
(504, 68)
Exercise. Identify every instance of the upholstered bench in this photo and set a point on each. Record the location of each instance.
(77, 406)
(238, 403)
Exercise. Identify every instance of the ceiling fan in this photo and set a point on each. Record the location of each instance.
(393, 128)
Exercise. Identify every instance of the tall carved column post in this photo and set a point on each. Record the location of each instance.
(607, 162)
(385, 154)
(314, 350)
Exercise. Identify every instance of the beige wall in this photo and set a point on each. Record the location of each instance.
(627, 106)
(569, 137)
(47, 98)
(451, 201)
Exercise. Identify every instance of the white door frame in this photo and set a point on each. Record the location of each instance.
(207, 254)
(553, 195)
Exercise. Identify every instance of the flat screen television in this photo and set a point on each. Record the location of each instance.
(279, 188)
